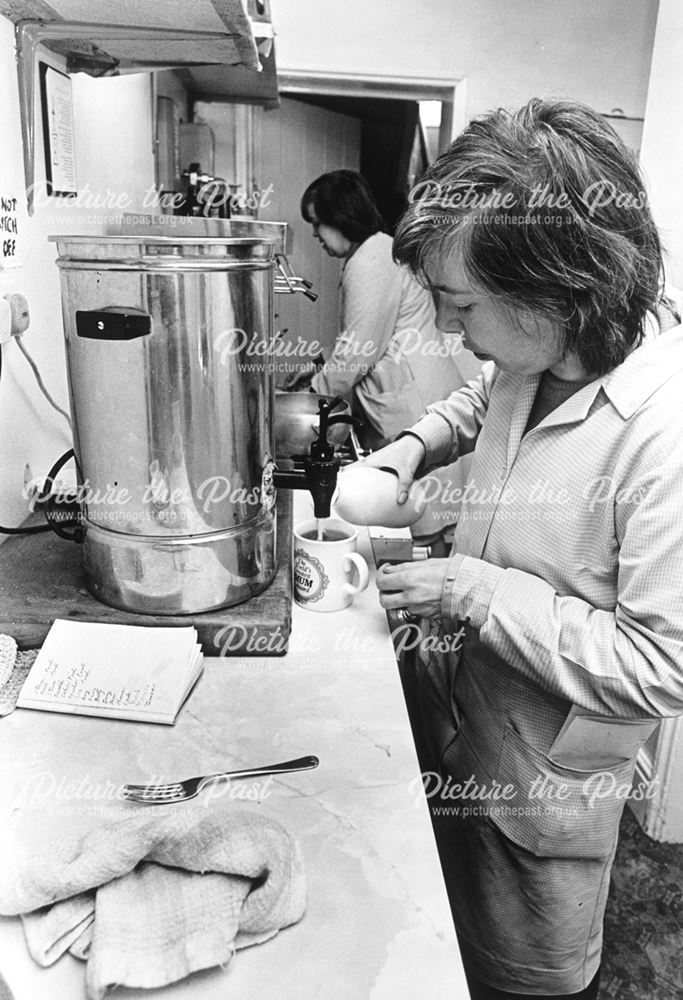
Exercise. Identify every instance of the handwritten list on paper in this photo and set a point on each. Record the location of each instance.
(117, 671)
(71, 683)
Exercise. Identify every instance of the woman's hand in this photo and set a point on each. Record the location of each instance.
(404, 457)
(300, 380)
(415, 586)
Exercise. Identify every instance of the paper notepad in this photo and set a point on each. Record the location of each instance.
(116, 671)
(589, 741)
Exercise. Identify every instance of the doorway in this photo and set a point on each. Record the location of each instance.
(394, 149)
(395, 146)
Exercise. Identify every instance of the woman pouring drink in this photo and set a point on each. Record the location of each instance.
(563, 587)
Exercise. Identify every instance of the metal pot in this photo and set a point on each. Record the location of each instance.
(296, 420)
(171, 395)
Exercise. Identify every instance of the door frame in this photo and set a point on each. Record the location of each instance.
(451, 91)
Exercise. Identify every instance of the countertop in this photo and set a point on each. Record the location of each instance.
(377, 924)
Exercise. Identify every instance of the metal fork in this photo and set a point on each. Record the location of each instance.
(180, 791)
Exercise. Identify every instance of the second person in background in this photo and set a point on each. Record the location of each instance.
(389, 356)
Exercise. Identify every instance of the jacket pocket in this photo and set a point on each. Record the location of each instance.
(558, 811)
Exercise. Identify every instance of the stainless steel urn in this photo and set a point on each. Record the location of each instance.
(167, 342)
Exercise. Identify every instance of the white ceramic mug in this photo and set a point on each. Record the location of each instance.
(323, 570)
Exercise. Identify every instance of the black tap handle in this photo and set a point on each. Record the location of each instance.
(320, 467)
(321, 449)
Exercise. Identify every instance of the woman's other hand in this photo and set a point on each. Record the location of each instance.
(404, 457)
(415, 586)
(300, 380)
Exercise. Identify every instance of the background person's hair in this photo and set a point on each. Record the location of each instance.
(586, 254)
(343, 199)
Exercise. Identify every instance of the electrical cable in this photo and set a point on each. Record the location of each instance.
(41, 384)
(45, 496)
(36, 529)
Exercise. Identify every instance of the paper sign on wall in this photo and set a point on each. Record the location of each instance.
(58, 131)
(9, 231)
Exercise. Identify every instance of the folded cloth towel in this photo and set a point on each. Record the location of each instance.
(64, 926)
(8, 654)
(152, 898)
(14, 669)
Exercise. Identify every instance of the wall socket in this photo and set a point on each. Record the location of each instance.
(14, 316)
(18, 304)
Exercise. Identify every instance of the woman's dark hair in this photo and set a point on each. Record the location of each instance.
(548, 207)
(343, 199)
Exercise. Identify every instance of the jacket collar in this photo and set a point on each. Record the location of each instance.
(643, 372)
(627, 387)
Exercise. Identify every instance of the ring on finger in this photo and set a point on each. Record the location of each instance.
(404, 615)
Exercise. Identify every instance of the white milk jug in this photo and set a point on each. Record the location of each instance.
(366, 495)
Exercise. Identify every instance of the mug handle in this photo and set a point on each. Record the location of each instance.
(351, 560)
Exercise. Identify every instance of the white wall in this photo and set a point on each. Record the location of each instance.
(294, 145)
(113, 153)
(662, 145)
(597, 51)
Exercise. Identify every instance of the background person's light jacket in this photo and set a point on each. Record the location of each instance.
(389, 356)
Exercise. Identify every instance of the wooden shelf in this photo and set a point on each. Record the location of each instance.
(42, 578)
